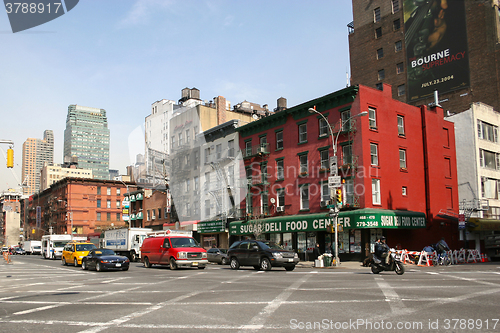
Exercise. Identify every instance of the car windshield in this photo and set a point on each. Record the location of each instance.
(184, 242)
(85, 247)
(270, 245)
(104, 252)
(60, 244)
(37, 247)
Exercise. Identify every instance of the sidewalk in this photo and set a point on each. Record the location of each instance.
(343, 264)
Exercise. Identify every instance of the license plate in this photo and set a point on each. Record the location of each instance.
(118, 265)
(290, 260)
(194, 264)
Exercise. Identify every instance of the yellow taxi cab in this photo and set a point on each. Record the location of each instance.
(73, 252)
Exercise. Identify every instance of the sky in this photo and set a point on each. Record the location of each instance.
(123, 55)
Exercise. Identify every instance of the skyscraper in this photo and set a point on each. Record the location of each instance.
(87, 137)
(35, 153)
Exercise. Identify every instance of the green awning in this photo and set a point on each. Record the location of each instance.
(211, 227)
(381, 218)
(355, 219)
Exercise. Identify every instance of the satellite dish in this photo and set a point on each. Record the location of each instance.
(272, 200)
(254, 116)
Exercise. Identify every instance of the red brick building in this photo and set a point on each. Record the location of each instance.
(397, 164)
(87, 205)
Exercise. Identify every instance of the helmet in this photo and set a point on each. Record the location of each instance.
(383, 238)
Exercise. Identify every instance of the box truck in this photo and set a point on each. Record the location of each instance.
(126, 241)
(32, 247)
(52, 245)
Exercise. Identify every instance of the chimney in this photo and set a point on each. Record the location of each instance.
(220, 105)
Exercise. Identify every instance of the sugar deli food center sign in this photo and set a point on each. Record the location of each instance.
(357, 219)
(436, 47)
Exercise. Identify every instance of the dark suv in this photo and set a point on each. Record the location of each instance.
(261, 255)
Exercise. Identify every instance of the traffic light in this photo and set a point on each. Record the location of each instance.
(338, 195)
(10, 158)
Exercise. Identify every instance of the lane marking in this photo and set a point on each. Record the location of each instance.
(395, 303)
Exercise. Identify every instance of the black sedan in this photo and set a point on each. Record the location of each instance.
(218, 256)
(104, 259)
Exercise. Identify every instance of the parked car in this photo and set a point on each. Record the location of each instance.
(19, 250)
(105, 259)
(74, 252)
(5, 249)
(261, 255)
(218, 256)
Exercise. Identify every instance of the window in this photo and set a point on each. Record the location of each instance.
(196, 159)
(279, 140)
(489, 160)
(325, 192)
(395, 6)
(98, 203)
(181, 141)
(207, 208)
(118, 191)
(372, 119)
(230, 175)
(487, 131)
(196, 183)
(401, 90)
(263, 172)
(302, 133)
(304, 197)
(264, 205)
(349, 192)
(447, 162)
(98, 216)
(98, 190)
(404, 191)
(187, 136)
(400, 68)
(280, 194)
(376, 15)
(396, 25)
(188, 185)
(118, 217)
(108, 204)
(346, 154)
(323, 127)
(303, 164)
(117, 203)
(381, 74)
(446, 137)
(378, 32)
(230, 148)
(374, 153)
(108, 191)
(280, 170)
(380, 53)
(398, 46)
(159, 213)
(324, 158)
(402, 159)
(218, 151)
(153, 214)
(263, 141)
(207, 155)
(401, 126)
(149, 215)
(248, 148)
(346, 124)
(172, 142)
(376, 191)
(379, 86)
(108, 216)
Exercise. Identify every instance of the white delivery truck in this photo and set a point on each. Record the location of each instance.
(32, 247)
(126, 241)
(52, 245)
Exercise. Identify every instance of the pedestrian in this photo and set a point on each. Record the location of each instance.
(316, 251)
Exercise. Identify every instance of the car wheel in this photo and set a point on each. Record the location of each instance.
(265, 264)
(234, 263)
(84, 265)
(173, 265)
(290, 268)
(147, 264)
(75, 262)
(98, 267)
(133, 256)
(64, 261)
(224, 261)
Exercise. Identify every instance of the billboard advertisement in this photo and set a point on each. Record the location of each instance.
(436, 47)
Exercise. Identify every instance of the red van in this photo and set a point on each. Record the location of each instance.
(173, 248)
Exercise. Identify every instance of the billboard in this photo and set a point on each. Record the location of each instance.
(436, 47)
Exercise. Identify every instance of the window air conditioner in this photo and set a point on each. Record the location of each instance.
(280, 209)
(325, 203)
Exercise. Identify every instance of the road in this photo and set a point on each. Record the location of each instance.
(40, 295)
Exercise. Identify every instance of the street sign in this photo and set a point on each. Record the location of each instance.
(334, 182)
(333, 166)
(461, 221)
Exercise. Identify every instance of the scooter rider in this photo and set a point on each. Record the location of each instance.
(382, 250)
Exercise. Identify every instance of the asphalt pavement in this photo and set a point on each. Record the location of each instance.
(38, 295)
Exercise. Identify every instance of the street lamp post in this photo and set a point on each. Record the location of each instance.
(334, 171)
(128, 196)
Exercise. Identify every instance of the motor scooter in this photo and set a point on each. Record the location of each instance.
(378, 265)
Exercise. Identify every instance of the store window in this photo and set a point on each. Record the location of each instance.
(304, 197)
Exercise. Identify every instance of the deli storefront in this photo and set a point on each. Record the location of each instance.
(357, 231)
